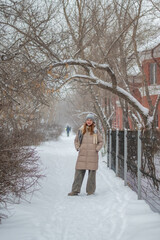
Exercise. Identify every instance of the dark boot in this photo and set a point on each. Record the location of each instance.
(90, 194)
(73, 194)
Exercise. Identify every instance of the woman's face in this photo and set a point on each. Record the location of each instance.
(89, 122)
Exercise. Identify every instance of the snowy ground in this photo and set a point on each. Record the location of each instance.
(113, 213)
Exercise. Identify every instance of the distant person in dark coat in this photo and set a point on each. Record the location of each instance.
(68, 129)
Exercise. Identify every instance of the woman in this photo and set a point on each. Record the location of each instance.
(88, 142)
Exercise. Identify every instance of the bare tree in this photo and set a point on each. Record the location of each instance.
(25, 88)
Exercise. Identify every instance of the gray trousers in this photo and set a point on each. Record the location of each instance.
(78, 179)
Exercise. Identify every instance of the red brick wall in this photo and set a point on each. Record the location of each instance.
(136, 93)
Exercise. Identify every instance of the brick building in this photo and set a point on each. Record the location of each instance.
(150, 60)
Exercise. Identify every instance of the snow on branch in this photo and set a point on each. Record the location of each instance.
(86, 63)
(112, 87)
(118, 91)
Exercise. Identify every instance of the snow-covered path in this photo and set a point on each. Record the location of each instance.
(113, 213)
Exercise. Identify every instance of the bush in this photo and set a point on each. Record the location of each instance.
(19, 169)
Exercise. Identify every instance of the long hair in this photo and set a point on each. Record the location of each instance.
(90, 128)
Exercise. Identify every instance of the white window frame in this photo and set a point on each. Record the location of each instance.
(153, 73)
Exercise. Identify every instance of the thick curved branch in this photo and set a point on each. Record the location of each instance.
(144, 112)
(91, 64)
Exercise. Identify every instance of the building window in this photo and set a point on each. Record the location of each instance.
(153, 73)
(156, 121)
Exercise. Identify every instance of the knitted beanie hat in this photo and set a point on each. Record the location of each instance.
(90, 116)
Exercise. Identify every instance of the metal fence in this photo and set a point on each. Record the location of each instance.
(124, 157)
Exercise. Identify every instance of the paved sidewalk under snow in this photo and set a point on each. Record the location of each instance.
(113, 213)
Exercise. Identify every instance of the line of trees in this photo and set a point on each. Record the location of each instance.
(27, 102)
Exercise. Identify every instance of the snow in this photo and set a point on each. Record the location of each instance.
(134, 100)
(131, 99)
(112, 213)
(81, 62)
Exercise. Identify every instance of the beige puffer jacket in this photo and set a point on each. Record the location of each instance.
(88, 151)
